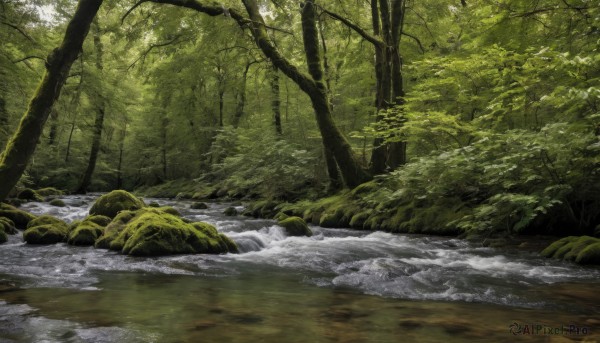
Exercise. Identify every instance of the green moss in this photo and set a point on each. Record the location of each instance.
(365, 188)
(578, 245)
(8, 226)
(231, 246)
(46, 219)
(112, 230)
(20, 218)
(151, 234)
(230, 211)
(3, 237)
(373, 222)
(99, 220)
(49, 191)
(85, 234)
(199, 206)
(280, 216)
(589, 255)
(46, 234)
(29, 194)
(112, 203)
(154, 204)
(358, 220)
(169, 210)
(580, 249)
(57, 203)
(295, 226)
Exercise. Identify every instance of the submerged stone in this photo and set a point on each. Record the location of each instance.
(230, 212)
(112, 203)
(199, 206)
(57, 203)
(296, 226)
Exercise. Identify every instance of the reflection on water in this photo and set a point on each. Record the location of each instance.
(337, 286)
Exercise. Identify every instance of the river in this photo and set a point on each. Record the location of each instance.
(340, 285)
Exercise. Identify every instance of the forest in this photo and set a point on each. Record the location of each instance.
(361, 153)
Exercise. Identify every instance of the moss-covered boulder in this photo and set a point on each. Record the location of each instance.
(3, 236)
(30, 195)
(152, 234)
(57, 203)
(49, 191)
(199, 206)
(159, 231)
(46, 230)
(85, 234)
(112, 203)
(295, 226)
(18, 217)
(579, 249)
(8, 226)
(230, 212)
(112, 230)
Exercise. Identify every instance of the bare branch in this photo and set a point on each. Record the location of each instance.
(416, 40)
(19, 30)
(28, 58)
(152, 47)
(372, 39)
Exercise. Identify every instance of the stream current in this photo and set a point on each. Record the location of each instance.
(340, 285)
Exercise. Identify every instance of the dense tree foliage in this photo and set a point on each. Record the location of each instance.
(492, 104)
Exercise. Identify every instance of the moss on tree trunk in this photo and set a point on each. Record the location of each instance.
(21, 146)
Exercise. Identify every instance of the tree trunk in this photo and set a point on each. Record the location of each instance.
(99, 122)
(3, 122)
(333, 139)
(120, 163)
(21, 146)
(241, 98)
(275, 101)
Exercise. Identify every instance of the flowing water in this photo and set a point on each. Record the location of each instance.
(340, 285)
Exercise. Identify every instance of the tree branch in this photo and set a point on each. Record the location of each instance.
(152, 46)
(28, 58)
(416, 40)
(372, 39)
(19, 30)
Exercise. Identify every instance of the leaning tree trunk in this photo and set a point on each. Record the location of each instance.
(99, 122)
(21, 146)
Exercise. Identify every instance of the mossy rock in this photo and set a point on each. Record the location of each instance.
(230, 212)
(57, 203)
(199, 206)
(169, 210)
(154, 204)
(579, 249)
(3, 237)
(99, 220)
(358, 220)
(49, 191)
(46, 230)
(18, 217)
(85, 234)
(30, 195)
(8, 226)
(45, 219)
(281, 216)
(296, 226)
(589, 255)
(113, 229)
(112, 203)
(217, 241)
(152, 234)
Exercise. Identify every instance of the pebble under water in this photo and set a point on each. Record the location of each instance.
(340, 285)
